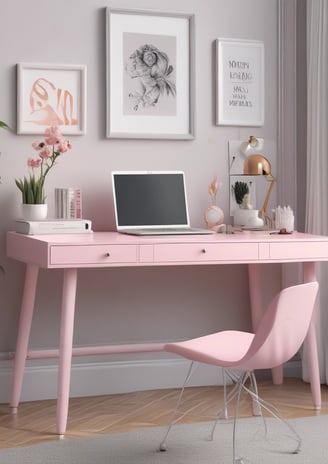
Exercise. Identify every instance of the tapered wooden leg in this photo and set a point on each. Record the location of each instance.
(255, 294)
(256, 311)
(24, 329)
(309, 275)
(65, 347)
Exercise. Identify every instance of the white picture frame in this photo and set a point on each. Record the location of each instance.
(150, 74)
(51, 94)
(239, 82)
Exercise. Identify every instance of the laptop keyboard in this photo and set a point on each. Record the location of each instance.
(170, 231)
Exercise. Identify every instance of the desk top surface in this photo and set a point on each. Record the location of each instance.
(112, 249)
(97, 238)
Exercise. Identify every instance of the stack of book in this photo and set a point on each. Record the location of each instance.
(68, 216)
(53, 226)
(68, 203)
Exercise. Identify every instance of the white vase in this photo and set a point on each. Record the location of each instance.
(34, 212)
(247, 218)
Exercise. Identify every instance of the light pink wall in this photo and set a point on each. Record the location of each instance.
(168, 300)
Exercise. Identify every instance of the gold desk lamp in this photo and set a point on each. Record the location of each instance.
(258, 165)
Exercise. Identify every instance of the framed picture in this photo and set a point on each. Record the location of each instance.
(49, 94)
(240, 82)
(246, 184)
(150, 75)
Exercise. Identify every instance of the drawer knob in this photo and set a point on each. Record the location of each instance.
(203, 250)
(107, 255)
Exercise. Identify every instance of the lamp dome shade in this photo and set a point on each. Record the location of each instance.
(257, 165)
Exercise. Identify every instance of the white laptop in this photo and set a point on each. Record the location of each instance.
(152, 203)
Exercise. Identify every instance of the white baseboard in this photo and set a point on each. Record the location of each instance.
(101, 378)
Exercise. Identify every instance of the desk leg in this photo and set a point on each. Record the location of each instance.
(309, 275)
(24, 328)
(254, 294)
(256, 311)
(65, 347)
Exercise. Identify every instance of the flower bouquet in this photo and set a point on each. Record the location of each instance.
(53, 146)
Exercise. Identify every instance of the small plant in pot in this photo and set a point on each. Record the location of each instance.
(32, 187)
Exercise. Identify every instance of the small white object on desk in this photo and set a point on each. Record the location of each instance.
(247, 218)
(284, 219)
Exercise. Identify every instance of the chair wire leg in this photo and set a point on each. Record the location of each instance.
(251, 375)
(163, 446)
(274, 412)
(227, 399)
(241, 383)
(225, 404)
(256, 406)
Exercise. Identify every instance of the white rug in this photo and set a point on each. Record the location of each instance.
(187, 444)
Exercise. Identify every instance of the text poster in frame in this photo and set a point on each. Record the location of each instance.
(240, 82)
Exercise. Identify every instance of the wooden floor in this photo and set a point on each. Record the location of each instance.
(124, 412)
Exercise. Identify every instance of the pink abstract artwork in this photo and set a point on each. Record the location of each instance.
(51, 95)
(50, 105)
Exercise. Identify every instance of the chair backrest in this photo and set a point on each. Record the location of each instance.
(283, 328)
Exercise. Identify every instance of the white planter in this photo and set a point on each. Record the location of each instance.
(34, 212)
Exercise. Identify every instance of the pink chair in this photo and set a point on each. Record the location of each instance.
(280, 334)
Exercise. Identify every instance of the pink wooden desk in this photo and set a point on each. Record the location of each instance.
(110, 249)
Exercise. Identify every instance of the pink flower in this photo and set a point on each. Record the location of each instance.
(45, 152)
(37, 145)
(62, 146)
(34, 163)
(54, 144)
(53, 135)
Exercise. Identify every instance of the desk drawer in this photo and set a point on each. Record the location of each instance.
(299, 251)
(206, 252)
(93, 254)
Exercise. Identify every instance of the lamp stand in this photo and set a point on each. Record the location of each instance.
(263, 211)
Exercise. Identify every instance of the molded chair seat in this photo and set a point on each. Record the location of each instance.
(221, 349)
(280, 334)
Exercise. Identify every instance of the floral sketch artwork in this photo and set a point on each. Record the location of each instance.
(51, 105)
(149, 74)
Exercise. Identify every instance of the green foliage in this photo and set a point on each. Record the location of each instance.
(240, 190)
(32, 187)
(3, 125)
(32, 190)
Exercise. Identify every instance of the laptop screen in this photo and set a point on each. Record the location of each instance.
(150, 199)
